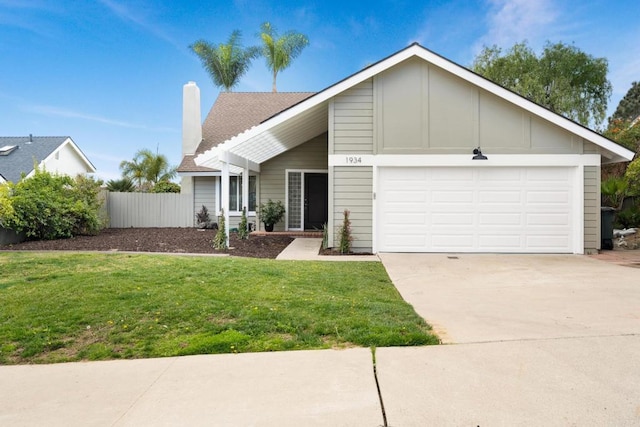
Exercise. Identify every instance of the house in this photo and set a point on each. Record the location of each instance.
(426, 155)
(57, 154)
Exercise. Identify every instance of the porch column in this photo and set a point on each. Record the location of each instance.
(245, 187)
(224, 190)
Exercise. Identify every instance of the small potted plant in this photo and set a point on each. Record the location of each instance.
(271, 213)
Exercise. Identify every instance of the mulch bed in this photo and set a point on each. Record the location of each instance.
(172, 240)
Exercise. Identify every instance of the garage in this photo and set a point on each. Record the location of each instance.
(476, 209)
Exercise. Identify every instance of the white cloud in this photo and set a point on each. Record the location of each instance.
(47, 110)
(512, 21)
(138, 19)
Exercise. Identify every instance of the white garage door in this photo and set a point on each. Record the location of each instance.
(518, 210)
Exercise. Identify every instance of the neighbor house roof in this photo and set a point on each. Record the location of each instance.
(19, 154)
(235, 112)
(288, 128)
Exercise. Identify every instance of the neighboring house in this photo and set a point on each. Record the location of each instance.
(57, 154)
(394, 144)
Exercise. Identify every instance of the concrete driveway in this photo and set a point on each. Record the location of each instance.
(536, 340)
(478, 298)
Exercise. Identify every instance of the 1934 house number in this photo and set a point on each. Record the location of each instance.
(354, 160)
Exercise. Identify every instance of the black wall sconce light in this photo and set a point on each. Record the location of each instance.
(478, 154)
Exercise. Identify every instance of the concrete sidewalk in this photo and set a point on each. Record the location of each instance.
(299, 388)
(307, 249)
(591, 381)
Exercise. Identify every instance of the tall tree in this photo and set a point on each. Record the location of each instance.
(227, 62)
(279, 51)
(147, 169)
(629, 106)
(563, 78)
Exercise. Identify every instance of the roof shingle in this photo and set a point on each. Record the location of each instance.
(236, 112)
(29, 150)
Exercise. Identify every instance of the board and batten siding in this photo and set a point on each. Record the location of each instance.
(311, 155)
(422, 109)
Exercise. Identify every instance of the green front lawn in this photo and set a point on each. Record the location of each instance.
(65, 307)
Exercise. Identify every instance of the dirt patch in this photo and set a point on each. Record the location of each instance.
(170, 240)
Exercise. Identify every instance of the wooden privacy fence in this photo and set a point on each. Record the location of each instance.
(149, 210)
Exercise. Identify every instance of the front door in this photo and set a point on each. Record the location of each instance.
(316, 204)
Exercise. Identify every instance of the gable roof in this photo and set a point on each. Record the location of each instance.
(235, 112)
(29, 150)
(282, 131)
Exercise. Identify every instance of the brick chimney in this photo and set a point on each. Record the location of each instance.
(191, 119)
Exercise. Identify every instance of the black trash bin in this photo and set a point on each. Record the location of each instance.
(606, 227)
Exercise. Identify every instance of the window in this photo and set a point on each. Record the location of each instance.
(235, 193)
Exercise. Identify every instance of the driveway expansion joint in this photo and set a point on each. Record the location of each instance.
(573, 337)
(144, 392)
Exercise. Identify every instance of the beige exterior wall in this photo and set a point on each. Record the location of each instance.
(353, 191)
(592, 239)
(351, 131)
(311, 155)
(421, 109)
(417, 108)
(205, 195)
(351, 120)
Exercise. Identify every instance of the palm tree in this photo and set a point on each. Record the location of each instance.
(279, 51)
(133, 170)
(226, 63)
(124, 185)
(147, 169)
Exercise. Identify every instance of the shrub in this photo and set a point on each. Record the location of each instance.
(124, 185)
(628, 218)
(220, 240)
(613, 190)
(271, 212)
(325, 236)
(345, 234)
(243, 230)
(203, 220)
(50, 206)
(632, 176)
(166, 187)
(6, 207)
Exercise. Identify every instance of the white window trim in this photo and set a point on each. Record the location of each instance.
(286, 195)
(236, 212)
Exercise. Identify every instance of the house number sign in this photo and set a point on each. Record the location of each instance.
(353, 160)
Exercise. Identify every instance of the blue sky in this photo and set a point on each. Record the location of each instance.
(109, 73)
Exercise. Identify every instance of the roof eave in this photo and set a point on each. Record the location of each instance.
(210, 157)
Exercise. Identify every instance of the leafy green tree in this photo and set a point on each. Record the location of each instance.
(147, 169)
(563, 78)
(278, 50)
(227, 62)
(124, 185)
(629, 107)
